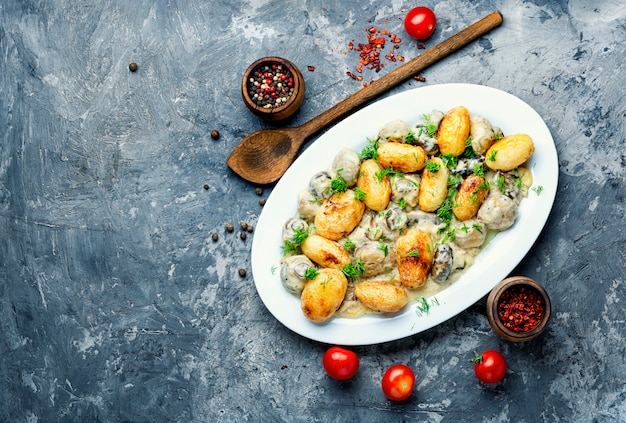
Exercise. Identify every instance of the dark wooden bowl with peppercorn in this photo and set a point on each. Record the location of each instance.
(273, 88)
(518, 309)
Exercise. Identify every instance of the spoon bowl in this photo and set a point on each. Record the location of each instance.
(265, 155)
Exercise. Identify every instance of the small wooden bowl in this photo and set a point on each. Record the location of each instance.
(274, 112)
(495, 297)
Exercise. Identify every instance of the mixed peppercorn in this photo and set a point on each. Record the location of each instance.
(271, 86)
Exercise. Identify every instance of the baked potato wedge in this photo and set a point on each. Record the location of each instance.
(405, 158)
(453, 131)
(375, 185)
(381, 296)
(323, 295)
(414, 257)
(339, 215)
(509, 152)
(325, 252)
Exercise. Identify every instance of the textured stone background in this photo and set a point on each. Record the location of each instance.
(116, 305)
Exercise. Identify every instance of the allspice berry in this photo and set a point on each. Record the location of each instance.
(133, 67)
(242, 273)
(230, 227)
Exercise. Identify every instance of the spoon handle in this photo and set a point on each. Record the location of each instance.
(404, 72)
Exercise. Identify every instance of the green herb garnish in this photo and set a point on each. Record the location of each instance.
(311, 273)
(370, 151)
(432, 166)
(354, 271)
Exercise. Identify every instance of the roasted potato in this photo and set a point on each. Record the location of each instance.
(434, 185)
(339, 215)
(381, 296)
(509, 152)
(453, 131)
(325, 252)
(414, 257)
(377, 189)
(322, 296)
(470, 197)
(405, 158)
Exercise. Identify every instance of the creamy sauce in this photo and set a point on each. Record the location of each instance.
(375, 228)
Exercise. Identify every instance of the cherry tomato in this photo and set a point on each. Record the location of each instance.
(398, 382)
(490, 367)
(420, 23)
(340, 364)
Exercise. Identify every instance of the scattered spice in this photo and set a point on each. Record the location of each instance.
(259, 191)
(419, 78)
(215, 237)
(206, 186)
(243, 235)
(133, 67)
(311, 68)
(244, 225)
(270, 85)
(242, 273)
(262, 201)
(230, 227)
(283, 367)
(521, 308)
(250, 228)
(370, 52)
(215, 134)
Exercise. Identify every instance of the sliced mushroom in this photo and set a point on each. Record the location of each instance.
(467, 166)
(292, 273)
(442, 263)
(405, 188)
(394, 131)
(377, 257)
(391, 221)
(346, 165)
(498, 212)
(293, 225)
(308, 205)
(470, 234)
(483, 134)
(320, 184)
(421, 218)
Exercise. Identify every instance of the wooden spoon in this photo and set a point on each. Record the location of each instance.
(264, 156)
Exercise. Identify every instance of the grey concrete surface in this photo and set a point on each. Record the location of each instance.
(117, 306)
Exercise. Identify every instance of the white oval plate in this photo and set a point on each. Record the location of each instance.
(493, 263)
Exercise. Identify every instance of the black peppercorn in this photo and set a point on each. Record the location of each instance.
(206, 186)
(230, 227)
(262, 201)
(244, 225)
(250, 228)
(243, 235)
(242, 273)
(133, 67)
(215, 237)
(215, 134)
(259, 191)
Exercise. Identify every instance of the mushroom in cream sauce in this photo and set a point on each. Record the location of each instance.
(403, 243)
(292, 273)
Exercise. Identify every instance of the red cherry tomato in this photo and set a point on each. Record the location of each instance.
(340, 364)
(490, 367)
(420, 23)
(398, 382)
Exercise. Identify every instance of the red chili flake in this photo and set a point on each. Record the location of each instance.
(310, 68)
(421, 46)
(419, 78)
(521, 308)
(351, 75)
